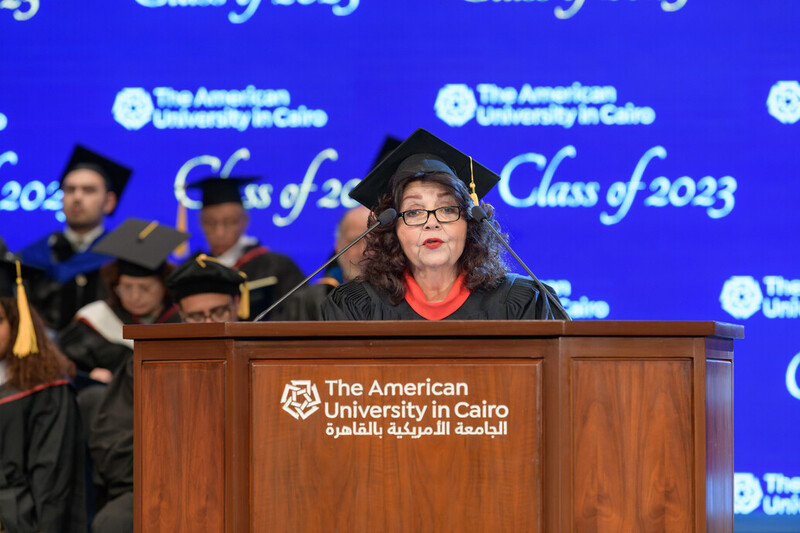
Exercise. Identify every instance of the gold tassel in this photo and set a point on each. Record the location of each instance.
(472, 193)
(244, 302)
(26, 335)
(181, 224)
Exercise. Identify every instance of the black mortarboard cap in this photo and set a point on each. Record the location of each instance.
(8, 273)
(116, 175)
(141, 247)
(217, 190)
(422, 152)
(202, 274)
(389, 145)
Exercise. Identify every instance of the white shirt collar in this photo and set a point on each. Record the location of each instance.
(81, 242)
(236, 251)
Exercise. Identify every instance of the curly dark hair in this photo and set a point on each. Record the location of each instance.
(47, 365)
(384, 261)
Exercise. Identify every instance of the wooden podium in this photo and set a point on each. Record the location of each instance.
(434, 426)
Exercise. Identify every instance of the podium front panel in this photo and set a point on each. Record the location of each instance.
(403, 445)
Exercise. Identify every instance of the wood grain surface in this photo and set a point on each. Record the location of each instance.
(305, 480)
(183, 446)
(633, 446)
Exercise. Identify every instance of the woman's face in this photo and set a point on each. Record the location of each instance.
(433, 246)
(5, 332)
(141, 296)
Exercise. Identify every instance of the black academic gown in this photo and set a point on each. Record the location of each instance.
(89, 346)
(42, 476)
(111, 433)
(259, 263)
(71, 279)
(304, 304)
(516, 298)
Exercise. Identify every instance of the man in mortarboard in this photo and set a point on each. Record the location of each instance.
(438, 259)
(92, 185)
(208, 291)
(224, 221)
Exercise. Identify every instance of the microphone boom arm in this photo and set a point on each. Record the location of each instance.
(384, 218)
(480, 215)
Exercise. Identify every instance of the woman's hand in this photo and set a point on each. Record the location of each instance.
(102, 375)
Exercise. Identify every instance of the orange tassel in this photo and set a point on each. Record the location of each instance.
(25, 344)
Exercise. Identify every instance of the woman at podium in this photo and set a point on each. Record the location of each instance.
(434, 261)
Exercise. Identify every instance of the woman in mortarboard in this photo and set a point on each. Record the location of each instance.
(95, 343)
(139, 296)
(434, 261)
(42, 449)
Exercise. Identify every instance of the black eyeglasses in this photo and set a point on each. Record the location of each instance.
(418, 217)
(222, 313)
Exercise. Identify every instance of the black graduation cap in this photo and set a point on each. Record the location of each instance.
(8, 273)
(116, 175)
(422, 152)
(389, 145)
(141, 247)
(217, 190)
(203, 274)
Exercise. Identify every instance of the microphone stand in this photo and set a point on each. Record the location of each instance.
(384, 218)
(480, 215)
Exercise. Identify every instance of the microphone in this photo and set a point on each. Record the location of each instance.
(386, 217)
(479, 214)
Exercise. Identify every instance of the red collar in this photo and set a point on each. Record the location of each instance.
(434, 310)
(249, 256)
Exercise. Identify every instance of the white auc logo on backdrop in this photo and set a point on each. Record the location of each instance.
(3, 122)
(783, 101)
(300, 399)
(565, 106)
(239, 109)
(747, 493)
(741, 296)
(455, 104)
(133, 108)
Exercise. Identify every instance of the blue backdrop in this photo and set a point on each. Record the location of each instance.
(647, 148)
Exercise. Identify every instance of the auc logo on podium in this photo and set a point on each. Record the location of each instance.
(300, 399)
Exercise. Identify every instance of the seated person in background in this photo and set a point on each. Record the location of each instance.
(224, 221)
(42, 449)
(206, 291)
(305, 303)
(92, 186)
(139, 296)
(434, 261)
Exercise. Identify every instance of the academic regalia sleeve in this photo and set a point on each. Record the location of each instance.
(304, 304)
(56, 461)
(350, 301)
(90, 350)
(526, 302)
(111, 433)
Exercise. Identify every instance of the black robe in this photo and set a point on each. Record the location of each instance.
(516, 298)
(42, 452)
(71, 279)
(304, 304)
(83, 342)
(111, 433)
(259, 263)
